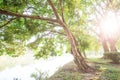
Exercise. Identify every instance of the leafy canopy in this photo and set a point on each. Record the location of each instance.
(50, 39)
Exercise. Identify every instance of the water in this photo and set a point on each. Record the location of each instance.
(48, 66)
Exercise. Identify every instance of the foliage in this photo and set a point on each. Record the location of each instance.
(48, 47)
(87, 41)
(49, 40)
(39, 75)
(12, 49)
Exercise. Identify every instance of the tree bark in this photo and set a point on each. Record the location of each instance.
(105, 46)
(78, 58)
(84, 54)
(112, 45)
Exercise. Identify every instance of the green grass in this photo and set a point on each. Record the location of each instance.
(105, 70)
(108, 71)
(67, 72)
(98, 60)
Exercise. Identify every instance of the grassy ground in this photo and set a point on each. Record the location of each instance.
(105, 71)
(67, 72)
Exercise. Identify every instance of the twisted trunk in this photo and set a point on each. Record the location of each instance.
(78, 58)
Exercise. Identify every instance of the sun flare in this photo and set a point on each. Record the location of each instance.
(109, 24)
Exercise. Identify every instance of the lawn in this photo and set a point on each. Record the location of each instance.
(105, 70)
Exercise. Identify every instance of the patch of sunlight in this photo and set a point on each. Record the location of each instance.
(110, 24)
(94, 54)
(49, 66)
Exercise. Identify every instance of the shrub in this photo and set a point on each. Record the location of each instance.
(40, 75)
(114, 56)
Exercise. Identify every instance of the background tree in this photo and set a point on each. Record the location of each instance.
(106, 26)
(103, 11)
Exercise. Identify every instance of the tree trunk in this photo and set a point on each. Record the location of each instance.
(84, 54)
(78, 58)
(105, 46)
(112, 45)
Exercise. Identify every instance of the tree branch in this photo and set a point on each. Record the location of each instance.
(62, 10)
(56, 24)
(54, 9)
(7, 22)
(26, 16)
